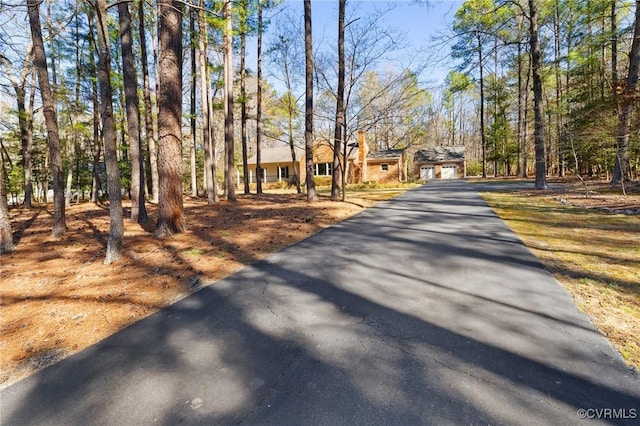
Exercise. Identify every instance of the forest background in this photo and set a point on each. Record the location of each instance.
(102, 99)
(141, 107)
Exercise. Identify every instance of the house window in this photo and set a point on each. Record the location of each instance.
(384, 167)
(324, 169)
(283, 172)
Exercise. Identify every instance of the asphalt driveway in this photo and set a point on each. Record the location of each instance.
(425, 309)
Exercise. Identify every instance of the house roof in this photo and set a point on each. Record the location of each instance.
(282, 154)
(279, 154)
(385, 155)
(439, 154)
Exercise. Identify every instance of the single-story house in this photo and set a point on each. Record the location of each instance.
(277, 165)
(362, 165)
(440, 162)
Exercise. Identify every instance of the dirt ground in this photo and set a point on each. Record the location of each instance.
(57, 297)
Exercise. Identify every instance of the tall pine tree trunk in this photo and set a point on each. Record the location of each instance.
(209, 158)
(27, 147)
(308, 115)
(536, 65)
(520, 112)
(116, 223)
(192, 112)
(614, 44)
(170, 203)
(96, 147)
(148, 107)
(229, 144)
(51, 120)
(559, 93)
(483, 138)
(243, 94)
(138, 209)
(259, 104)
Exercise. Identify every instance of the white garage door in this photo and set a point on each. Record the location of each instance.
(449, 172)
(427, 172)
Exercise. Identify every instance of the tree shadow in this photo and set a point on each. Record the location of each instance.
(328, 332)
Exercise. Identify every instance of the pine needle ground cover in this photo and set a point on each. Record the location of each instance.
(57, 297)
(593, 253)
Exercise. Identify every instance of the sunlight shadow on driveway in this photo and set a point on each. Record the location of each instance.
(403, 318)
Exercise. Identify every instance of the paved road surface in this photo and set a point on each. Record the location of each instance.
(426, 310)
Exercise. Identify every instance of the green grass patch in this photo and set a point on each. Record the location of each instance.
(193, 252)
(594, 255)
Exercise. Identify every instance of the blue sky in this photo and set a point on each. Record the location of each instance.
(420, 24)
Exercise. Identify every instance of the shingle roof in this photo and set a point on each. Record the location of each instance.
(383, 155)
(439, 154)
(279, 154)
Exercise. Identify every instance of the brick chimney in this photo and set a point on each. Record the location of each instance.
(363, 150)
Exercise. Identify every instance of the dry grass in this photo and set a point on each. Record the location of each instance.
(595, 255)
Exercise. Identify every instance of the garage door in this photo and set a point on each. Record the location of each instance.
(427, 172)
(449, 172)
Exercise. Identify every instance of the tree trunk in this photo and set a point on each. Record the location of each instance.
(6, 235)
(73, 147)
(520, 112)
(338, 135)
(308, 119)
(71, 154)
(536, 64)
(209, 158)
(51, 121)
(116, 228)
(629, 97)
(212, 139)
(243, 96)
(483, 138)
(192, 112)
(27, 148)
(259, 103)
(170, 205)
(292, 148)
(96, 147)
(138, 209)
(148, 107)
(614, 45)
(559, 93)
(229, 144)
